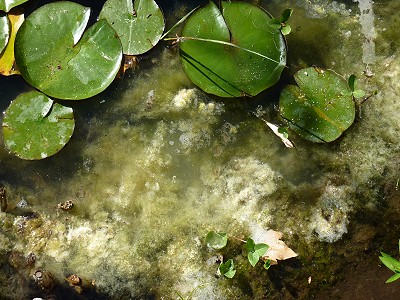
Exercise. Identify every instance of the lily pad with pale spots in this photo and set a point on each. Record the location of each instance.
(35, 127)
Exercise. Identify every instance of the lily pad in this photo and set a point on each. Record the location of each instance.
(320, 108)
(6, 5)
(35, 127)
(233, 52)
(139, 25)
(55, 55)
(4, 31)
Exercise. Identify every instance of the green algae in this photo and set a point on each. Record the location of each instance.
(162, 164)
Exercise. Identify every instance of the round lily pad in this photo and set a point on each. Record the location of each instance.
(139, 25)
(55, 55)
(320, 108)
(35, 127)
(233, 52)
(4, 31)
(6, 5)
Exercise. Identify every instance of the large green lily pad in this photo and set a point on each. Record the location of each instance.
(4, 31)
(55, 55)
(6, 5)
(239, 52)
(139, 25)
(320, 108)
(35, 127)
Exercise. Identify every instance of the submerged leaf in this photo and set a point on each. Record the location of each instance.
(233, 52)
(56, 56)
(317, 109)
(139, 25)
(216, 240)
(34, 127)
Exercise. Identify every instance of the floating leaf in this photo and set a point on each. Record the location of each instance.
(6, 5)
(234, 52)
(139, 25)
(216, 240)
(53, 56)
(228, 268)
(317, 109)
(7, 59)
(4, 31)
(35, 127)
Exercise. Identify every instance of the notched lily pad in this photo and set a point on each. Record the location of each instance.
(318, 109)
(139, 25)
(233, 52)
(35, 127)
(55, 55)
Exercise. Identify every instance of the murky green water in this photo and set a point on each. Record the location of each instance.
(154, 164)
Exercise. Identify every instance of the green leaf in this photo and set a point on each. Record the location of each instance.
(267, 264)
(139, 25)
(286, 15)
(286, 29)
(390, 262)
(6, 5)
(393, 278)
(228, 268)
(275, 24)
(34, 127)
(358, 93)
(260, 249)
(234, 52)
(5, 29)
(317, 109)
(53, 56)
(352, 81)
(216, 240)
(253, 258)
(249, 246)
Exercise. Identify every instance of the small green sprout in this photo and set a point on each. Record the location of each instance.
(281, 22)
(392, 264)
(227, 268)
(255, 251)
(356, 93)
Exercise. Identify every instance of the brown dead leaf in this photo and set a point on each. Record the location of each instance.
(277, 250)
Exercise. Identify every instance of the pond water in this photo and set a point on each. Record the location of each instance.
(154, 164)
